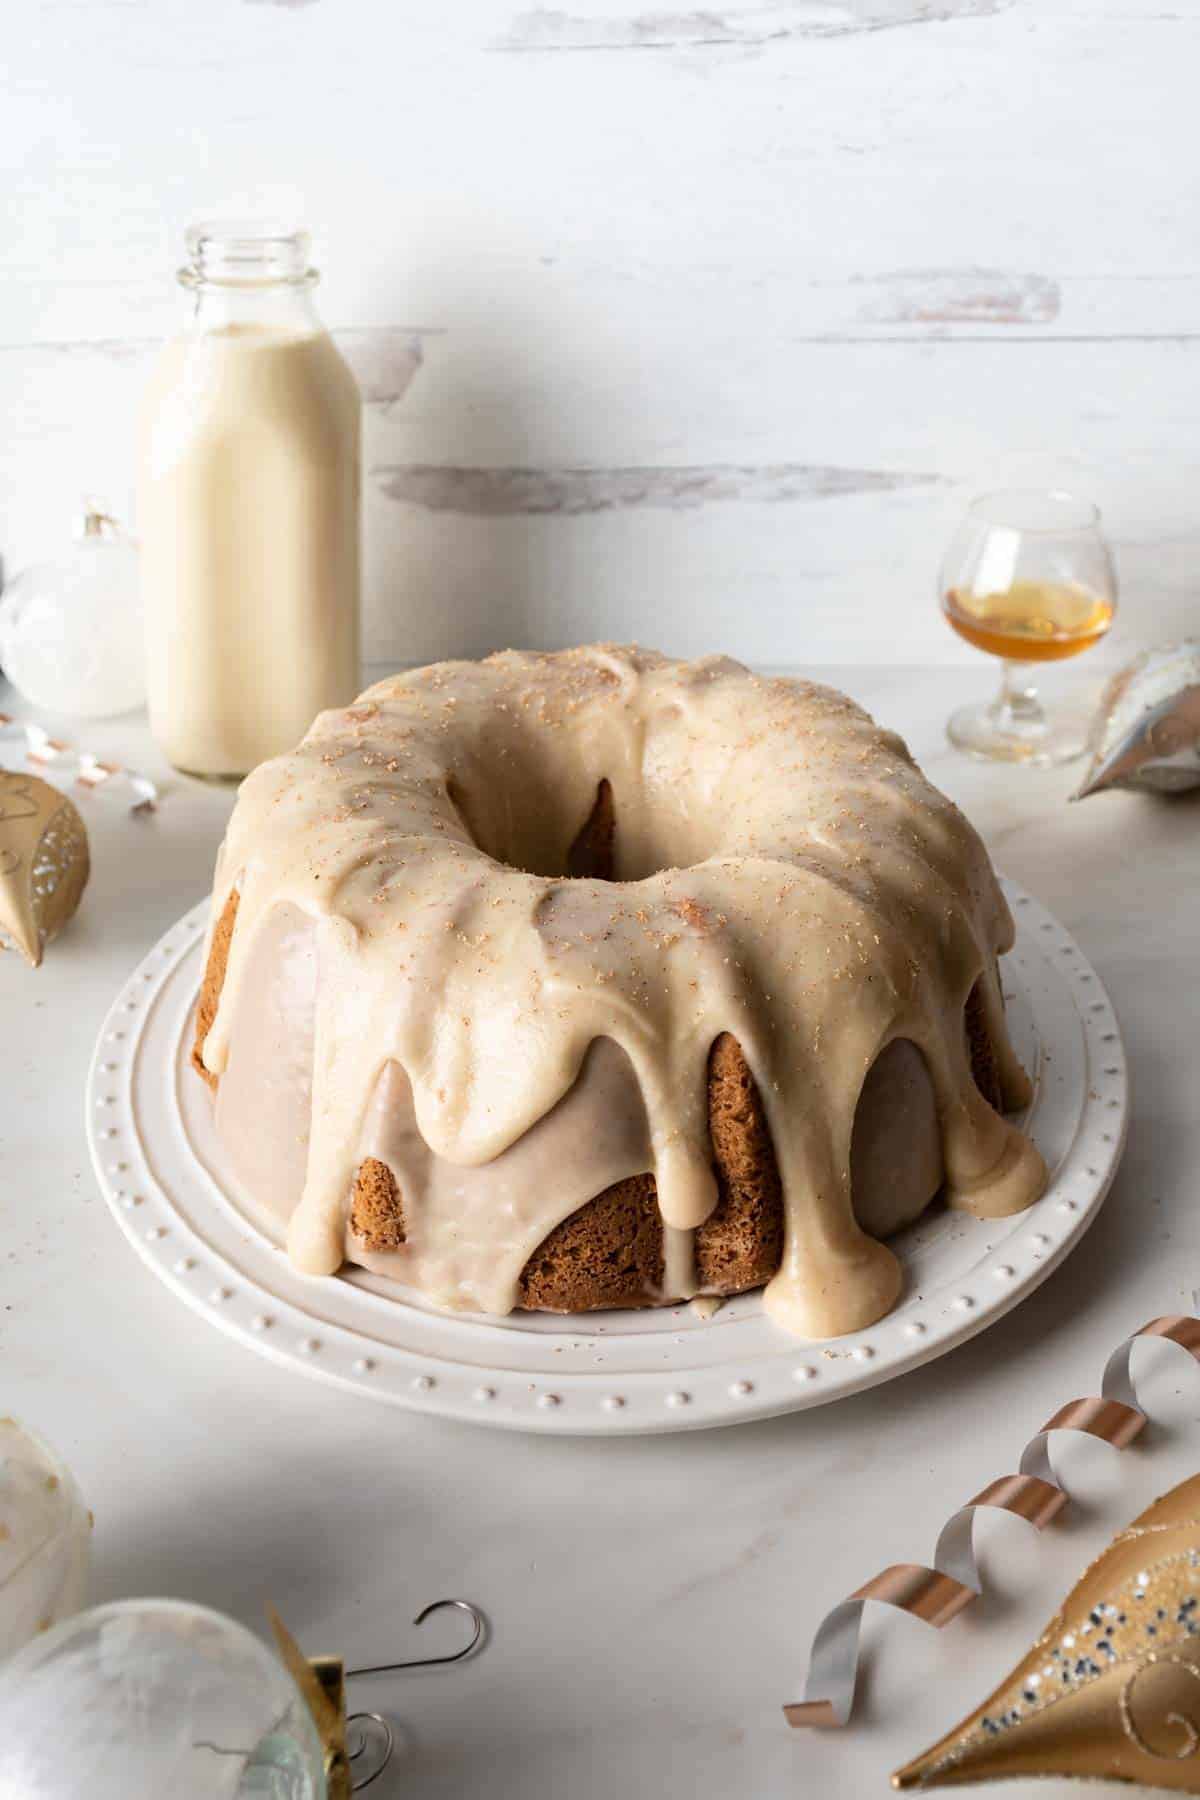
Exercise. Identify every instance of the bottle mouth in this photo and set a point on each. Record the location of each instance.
(246, 253)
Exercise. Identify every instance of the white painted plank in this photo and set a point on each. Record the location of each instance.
(1013, 167)
(816, 535)
(699, 324)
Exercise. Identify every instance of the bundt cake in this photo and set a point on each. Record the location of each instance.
(594, 979)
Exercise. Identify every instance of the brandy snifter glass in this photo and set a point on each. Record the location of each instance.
(1028, 577)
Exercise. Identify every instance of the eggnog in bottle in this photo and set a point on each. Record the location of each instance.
(248, 510)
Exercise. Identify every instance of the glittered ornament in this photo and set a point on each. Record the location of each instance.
(44, 863)
(155, 1700)
(71, 629)
(45, 1537)
(1111, 1689)
(1147, 732)
(143, 1699)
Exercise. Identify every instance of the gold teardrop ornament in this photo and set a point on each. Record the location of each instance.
(44, 863)
(1111, 1689)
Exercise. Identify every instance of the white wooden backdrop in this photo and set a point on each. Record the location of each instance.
(695, 325)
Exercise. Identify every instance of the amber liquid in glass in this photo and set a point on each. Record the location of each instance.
(1032, 621)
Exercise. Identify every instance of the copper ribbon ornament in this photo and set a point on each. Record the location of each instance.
(936, 1595)
(88, 770)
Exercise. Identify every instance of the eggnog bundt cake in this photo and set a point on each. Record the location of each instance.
(599, 980)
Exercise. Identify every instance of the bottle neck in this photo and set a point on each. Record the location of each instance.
(216, 308)
(243, 275)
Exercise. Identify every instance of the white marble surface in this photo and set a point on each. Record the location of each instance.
(652, 1600)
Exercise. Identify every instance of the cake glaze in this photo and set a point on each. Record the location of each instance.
(478, 1021)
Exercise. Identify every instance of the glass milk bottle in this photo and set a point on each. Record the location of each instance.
(248, 510)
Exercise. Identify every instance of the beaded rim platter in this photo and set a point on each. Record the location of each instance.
(149, 1125)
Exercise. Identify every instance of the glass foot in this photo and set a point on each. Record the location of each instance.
(1002, 732)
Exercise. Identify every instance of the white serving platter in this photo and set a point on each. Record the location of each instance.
(160, 1166)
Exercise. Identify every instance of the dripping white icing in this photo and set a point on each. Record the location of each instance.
(784, 874)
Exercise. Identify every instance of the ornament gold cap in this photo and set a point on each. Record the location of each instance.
(94, 522)
(322, 1682)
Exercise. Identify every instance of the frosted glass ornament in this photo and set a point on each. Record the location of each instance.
(45, 1539)
(154, 1700)
(71, 629)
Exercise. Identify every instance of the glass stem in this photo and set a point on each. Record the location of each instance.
(1016, 707)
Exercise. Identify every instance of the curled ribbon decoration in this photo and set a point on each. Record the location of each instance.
(938, 1594)
(88, 769)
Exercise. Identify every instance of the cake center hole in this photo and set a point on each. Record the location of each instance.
(593, 855)
(525, 837)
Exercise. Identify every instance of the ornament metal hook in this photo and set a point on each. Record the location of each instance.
(368, 1720)
(432, 1662)
(386, 1746)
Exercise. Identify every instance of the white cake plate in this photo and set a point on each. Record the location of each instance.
(149, 1123)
